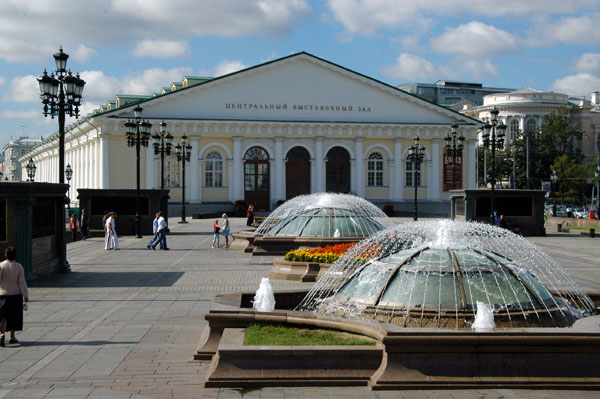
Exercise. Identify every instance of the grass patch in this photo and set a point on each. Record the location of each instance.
(278, 335)
(581, 228)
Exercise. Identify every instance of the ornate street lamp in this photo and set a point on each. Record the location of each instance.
(493, 136)
(597, 173)
(454, 144)
(184, 151)
(61, 94)
(69, 175)
(162, 144)
(31, 168)
(138, 135)
(416, 155)
(554, 180)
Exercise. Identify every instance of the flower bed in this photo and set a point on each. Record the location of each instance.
(328, 254)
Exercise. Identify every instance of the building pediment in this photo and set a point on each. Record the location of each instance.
(299, 88)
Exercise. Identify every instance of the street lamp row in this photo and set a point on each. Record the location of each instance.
(454, 144)
(184, 152)
(416, 154)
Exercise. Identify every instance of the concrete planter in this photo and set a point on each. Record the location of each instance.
(298, 271)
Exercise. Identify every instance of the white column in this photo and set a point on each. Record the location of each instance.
(279, 170)
(150, 168)
(359, 167)
(434, 179)
(398, 183)
(94, 160)
(238, 173)
(230, 179)
(319, 165)
(471, 176)
(104, 166)
(194, 192)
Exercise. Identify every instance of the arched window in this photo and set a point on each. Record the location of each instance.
(375, 170)
(409, 174)
(531, 126)
(213, 167)
(513, 129)
(171, 172)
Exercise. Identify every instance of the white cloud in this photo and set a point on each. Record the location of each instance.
(581, 84)
(478, 69)
(475, 39)
(576, 30)
(2, 80)
(227, 66)
(23, 89)
(368, 16)
(588, 62)
(410, 67)
(30, 30)
(152, 80)
(408, 42)
(82, 53)
(99, 87)
(161, 49)
(12, 114)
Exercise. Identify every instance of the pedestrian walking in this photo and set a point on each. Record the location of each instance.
(73, 226)
(156, 236)
(250, 214)
(162, 232)
(225, 228)
(84, 225)
(112, 239)
(13, 292)
(216, 229)
(107, 238)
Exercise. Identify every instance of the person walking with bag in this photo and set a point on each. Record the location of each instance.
(225, 228)
(156, 236)
(13, 292)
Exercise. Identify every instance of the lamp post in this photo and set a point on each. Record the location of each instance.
(162, 144)
(554, 180)
(184, 151)
(493, 136)
(69, 175)
(138, 135)
(416, 154)
(513, 152)
(451, 145)
(61, 95)
(597, 173)
(31, 168)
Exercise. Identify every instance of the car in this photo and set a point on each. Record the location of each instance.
(580, 213)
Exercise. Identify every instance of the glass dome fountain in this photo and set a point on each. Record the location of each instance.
(433, 274)
(325, 215)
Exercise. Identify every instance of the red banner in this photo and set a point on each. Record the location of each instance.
(449, 170)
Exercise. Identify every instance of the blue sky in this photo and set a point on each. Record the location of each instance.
(139, 46)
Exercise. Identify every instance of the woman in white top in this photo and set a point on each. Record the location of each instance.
(13, 291)
(225, 229)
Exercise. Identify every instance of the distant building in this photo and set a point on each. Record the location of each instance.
(446, 92)
(12, 152)
(525, 109)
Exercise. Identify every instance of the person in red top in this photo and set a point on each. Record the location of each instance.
(250, 215)
(216, 229)
(73, 226)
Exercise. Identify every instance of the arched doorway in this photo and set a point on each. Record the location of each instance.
(337, 171)
(256, 178)
(297, 172)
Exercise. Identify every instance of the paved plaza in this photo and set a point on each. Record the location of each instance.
(125, 324)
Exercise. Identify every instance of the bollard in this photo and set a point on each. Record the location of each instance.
(592, 233)
(559, 227)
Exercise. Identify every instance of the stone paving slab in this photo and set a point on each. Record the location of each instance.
(125, 324)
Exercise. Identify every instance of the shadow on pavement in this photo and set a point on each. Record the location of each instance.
(111, 279)
(81, 343)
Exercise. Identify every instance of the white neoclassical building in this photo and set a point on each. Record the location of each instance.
(525, 109)
(299, 124)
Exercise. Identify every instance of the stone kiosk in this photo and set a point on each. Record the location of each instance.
(522, 209)
(122, 201)
(31, 219)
